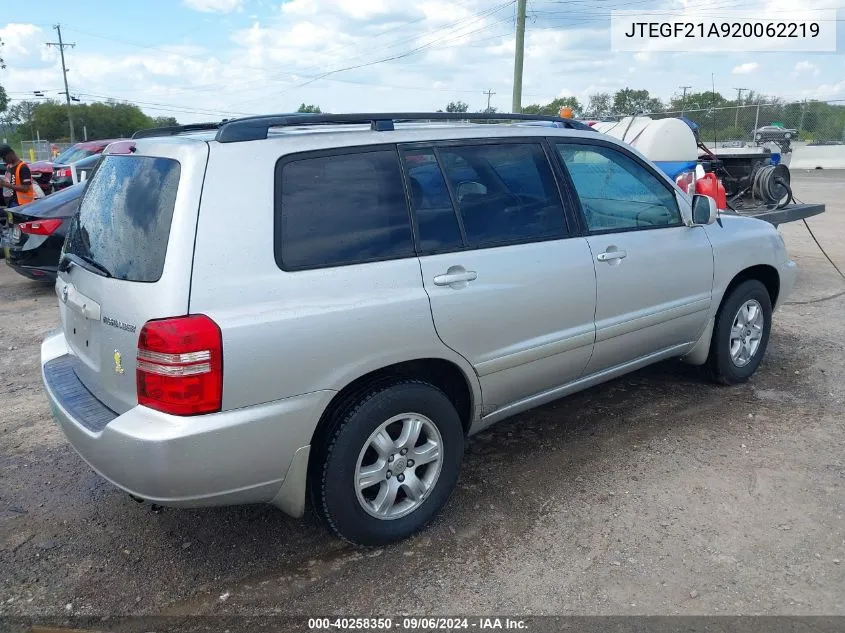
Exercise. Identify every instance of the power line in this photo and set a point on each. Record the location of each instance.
(156, 105)
(261, 68)
(404, 54)
(420, 48)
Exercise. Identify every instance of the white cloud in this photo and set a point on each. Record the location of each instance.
(299, 7)
(827, 91)
(746, 68)
(270, 62)
(806, 68)
(214, 6)
(19, 39)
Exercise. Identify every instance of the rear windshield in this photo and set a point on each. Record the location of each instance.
(73, 154)
(124, 218)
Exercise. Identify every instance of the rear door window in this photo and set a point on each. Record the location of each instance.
(341, 209)
(123, 224)
(505, 193)
(437, 223)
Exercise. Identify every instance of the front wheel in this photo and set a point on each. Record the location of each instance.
(741, 333)
(390, 464)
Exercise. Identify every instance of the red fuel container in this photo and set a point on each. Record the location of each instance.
(710, 185)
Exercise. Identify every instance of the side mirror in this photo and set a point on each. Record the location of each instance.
(704, 210)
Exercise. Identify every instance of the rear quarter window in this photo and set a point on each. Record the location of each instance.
(123, 225)
(341, 209)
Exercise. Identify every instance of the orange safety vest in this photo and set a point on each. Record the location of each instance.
(24, 197)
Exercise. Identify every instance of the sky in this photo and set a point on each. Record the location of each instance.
(201, 60)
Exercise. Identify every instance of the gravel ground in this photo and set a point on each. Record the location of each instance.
(658, 493)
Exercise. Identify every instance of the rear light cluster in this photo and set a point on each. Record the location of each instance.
(40, 227)
(180, 365)
(64, 172)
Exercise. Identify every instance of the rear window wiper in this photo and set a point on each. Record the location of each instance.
(84, 262)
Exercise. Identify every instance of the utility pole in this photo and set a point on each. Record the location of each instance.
(739, 92)
(684, 98)
(489, 94)
(61, 46)
(516, 106)
(803, 112)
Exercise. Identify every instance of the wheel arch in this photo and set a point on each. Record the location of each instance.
(764, 273)
(721, 369)
(444, 374)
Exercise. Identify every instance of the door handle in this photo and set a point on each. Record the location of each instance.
(609, 256)
(454, 277)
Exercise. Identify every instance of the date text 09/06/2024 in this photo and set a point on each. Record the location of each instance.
(416, 624)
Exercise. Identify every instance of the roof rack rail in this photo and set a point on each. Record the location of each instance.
(173, 130)
(256, 127)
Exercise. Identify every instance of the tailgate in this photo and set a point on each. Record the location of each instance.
(127, 260)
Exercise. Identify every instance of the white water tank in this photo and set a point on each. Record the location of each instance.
(659, 140)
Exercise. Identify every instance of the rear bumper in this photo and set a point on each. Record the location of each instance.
(36, 273)
(232, 457)
(36, 258)
(57, 184)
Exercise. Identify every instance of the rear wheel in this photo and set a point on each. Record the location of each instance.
(390, 464)
(741, 333)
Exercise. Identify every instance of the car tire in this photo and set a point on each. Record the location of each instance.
(358, 470)
(740, 333)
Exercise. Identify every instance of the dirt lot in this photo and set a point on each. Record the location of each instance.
(655, 494)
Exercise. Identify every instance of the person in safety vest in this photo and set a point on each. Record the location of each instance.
(19, 178)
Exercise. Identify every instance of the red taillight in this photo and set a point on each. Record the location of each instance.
(40, 227)
(180, 365)
(62, 173)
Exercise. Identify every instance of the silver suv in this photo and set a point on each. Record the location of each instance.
(377, 291)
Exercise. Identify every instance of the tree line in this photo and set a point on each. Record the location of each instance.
(100, 120)
(715, 114)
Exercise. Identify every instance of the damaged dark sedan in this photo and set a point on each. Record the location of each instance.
(38, 233)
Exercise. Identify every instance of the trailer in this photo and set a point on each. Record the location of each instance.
(750, 181)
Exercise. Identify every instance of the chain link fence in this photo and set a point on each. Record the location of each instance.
(41, 150)
(802, 122)
(810, 122)
(35, 150)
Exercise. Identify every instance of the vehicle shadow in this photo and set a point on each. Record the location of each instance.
(512, 475)
(17, 287)
(507, 474)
